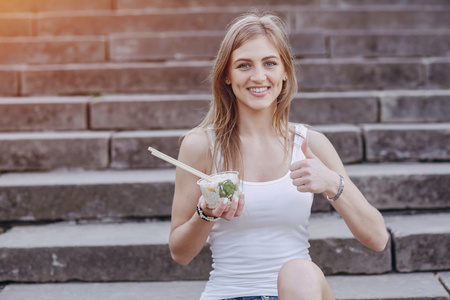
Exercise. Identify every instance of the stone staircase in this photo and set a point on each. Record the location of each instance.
(87, 86)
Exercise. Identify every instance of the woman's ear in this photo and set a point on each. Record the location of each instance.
(227, 81)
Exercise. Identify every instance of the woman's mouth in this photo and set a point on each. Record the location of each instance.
(259, 91)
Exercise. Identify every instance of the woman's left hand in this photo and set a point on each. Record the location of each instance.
(311, 175)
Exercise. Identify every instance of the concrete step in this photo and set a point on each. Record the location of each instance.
(150, 46)
(143, 112)
(53, 5)
(374, 287)
(419, 142)
(53, 50)
(421, 242)
(53, 150)
(299, 17)
(139, 251)
(109, 194)
(34, 151)
(44, 113)
(181, 77)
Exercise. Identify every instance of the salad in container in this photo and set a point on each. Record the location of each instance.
(224, 187)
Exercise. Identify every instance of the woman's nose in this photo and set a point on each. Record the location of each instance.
(258, 75)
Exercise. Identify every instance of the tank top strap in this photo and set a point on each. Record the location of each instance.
(299, 137)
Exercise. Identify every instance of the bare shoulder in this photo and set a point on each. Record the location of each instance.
(194, 149)
(321, 146)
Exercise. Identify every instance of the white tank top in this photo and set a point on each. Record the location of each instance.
(248, 251)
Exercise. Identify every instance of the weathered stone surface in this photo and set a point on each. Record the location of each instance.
(194, 45)
(98, 252)
(386, 2)
(129, 149)
(347, 141)
(394, 142)
(372, 18)
(44, 151)
(148, 111)
(85, 195)
(333, 108)
(174, 290)
(421, 242)
(306, 44)
(420, 286)
(444, 277)
(416, 107)
(107, 22)
(178, 77)
(350, 74)
(403, 186)
(51, 50)
(438, 74)
(389, 44)
(178, 45)
(69, 79)
(52, 5)
(16, 25)
(50, 113)
(9, 82)
(138, 4)
(367, 287)
(335, 250)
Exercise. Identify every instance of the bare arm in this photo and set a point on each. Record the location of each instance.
(319, 173)
(189, 232)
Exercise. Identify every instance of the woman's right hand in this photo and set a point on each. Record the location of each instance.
(224, 211)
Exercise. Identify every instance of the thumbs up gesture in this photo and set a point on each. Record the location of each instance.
(311, 175)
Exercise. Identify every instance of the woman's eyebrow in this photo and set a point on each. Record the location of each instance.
(249, 60)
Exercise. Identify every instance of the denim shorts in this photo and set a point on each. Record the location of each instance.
(255, 298)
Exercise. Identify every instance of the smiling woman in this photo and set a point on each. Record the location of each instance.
(259, 242)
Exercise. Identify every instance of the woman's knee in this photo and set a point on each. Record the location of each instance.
(302, 279)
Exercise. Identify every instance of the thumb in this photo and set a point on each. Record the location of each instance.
(306, 150)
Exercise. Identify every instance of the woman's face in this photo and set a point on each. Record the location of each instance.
(256, 73)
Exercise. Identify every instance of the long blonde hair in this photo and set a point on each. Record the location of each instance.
(223, 113)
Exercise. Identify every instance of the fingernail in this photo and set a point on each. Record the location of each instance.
(236, 199)
(202, 205)
(225, 201)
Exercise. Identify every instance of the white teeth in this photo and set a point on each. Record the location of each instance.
(258, 90)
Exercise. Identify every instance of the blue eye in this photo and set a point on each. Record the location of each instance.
(244, 65)
(271, 64)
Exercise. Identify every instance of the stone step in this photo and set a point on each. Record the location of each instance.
(129, 148)
(53, 5)
(204, 45)
(39, 151)
(124, 251)
(44, 113)
(419, 142)
(368, 287)
(143, 112)
(181, 77)
(299, 17)
(400, 286)
(54, 150)
(113, 194)
(421, 242)
(53, 50)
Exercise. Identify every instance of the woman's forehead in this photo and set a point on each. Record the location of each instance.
(258, 47)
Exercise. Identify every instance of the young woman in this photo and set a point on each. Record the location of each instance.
(260, 243)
